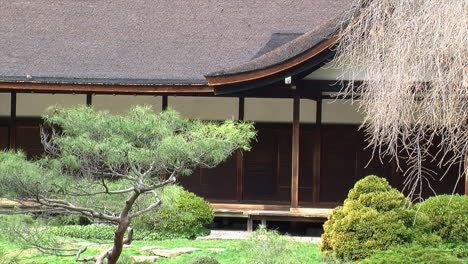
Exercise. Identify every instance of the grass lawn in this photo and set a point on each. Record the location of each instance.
(11, 252)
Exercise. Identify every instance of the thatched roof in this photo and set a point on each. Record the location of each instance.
(148, 42)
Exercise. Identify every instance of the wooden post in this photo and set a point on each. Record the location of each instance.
(295, 153)
(466, 173)
(164, 102)
(89, 99)
(240, 159)
(317, 152)
(12, 123)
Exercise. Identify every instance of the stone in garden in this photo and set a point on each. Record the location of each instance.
(170, 253)
(146, 248)
(217, 250)
(127, 246)
(144, 259)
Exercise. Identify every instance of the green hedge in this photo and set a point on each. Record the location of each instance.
(374, 217)
(449, 216)
(182, 215)
(203, 260)
(412, 254)
(98, 232)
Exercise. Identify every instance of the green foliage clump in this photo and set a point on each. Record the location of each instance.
(182, 214)
(269, 247)
(98, 232)
(449, 216)
(203, 260)
(65, 219)
(374, 217)
(414, 253)
(457, 249)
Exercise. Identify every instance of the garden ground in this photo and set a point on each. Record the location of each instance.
(13, 253)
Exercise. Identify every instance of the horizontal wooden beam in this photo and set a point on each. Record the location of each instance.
(105, 88)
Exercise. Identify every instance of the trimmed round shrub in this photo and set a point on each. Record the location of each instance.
(182, 214)
(374, 217)
(412, 254)
(449, 216)
(203, 260)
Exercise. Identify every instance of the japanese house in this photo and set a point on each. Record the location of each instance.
(264, 61)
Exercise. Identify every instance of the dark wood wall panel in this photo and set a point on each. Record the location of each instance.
(220, 183)
(192, 182)
(216, 184)
(338, 162)
(369, 162)
(260, 167)
(434, 183)
(267, 167)
(27, 137)
(308, 140)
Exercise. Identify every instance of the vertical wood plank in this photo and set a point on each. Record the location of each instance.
(240, 158)
(317, 153)
(295, 153)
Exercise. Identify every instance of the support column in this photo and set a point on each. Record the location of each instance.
(89, 99)
(317, 152)
(12, 123)
(466, 174)
(295, 154)
(240, 158)
(164, 102)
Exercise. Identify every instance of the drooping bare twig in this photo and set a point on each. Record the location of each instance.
(412, 58)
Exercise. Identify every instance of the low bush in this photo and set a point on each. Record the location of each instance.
(457, 249)
(449, 216)
(269, 247)
(414, 253)
(97, 232)
(65, 219)
(182, 215)
(203, 260)
(374, 217)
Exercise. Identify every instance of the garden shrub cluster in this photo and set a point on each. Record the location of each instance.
(203, 260)
(413, 253)
(374, 217)
(378, 223)
(449, 216)
(182, 215)
(97, 232)
(269, 247)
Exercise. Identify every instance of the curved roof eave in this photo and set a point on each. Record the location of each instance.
(307, 49)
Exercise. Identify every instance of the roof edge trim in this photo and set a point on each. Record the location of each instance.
(273, 69)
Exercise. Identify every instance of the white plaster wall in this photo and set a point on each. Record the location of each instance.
(328, 72)
(5, 104)
(34, 104)
(268, 109)
(308, 111)
(340, 112)
(120, 104)
(205, 108)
